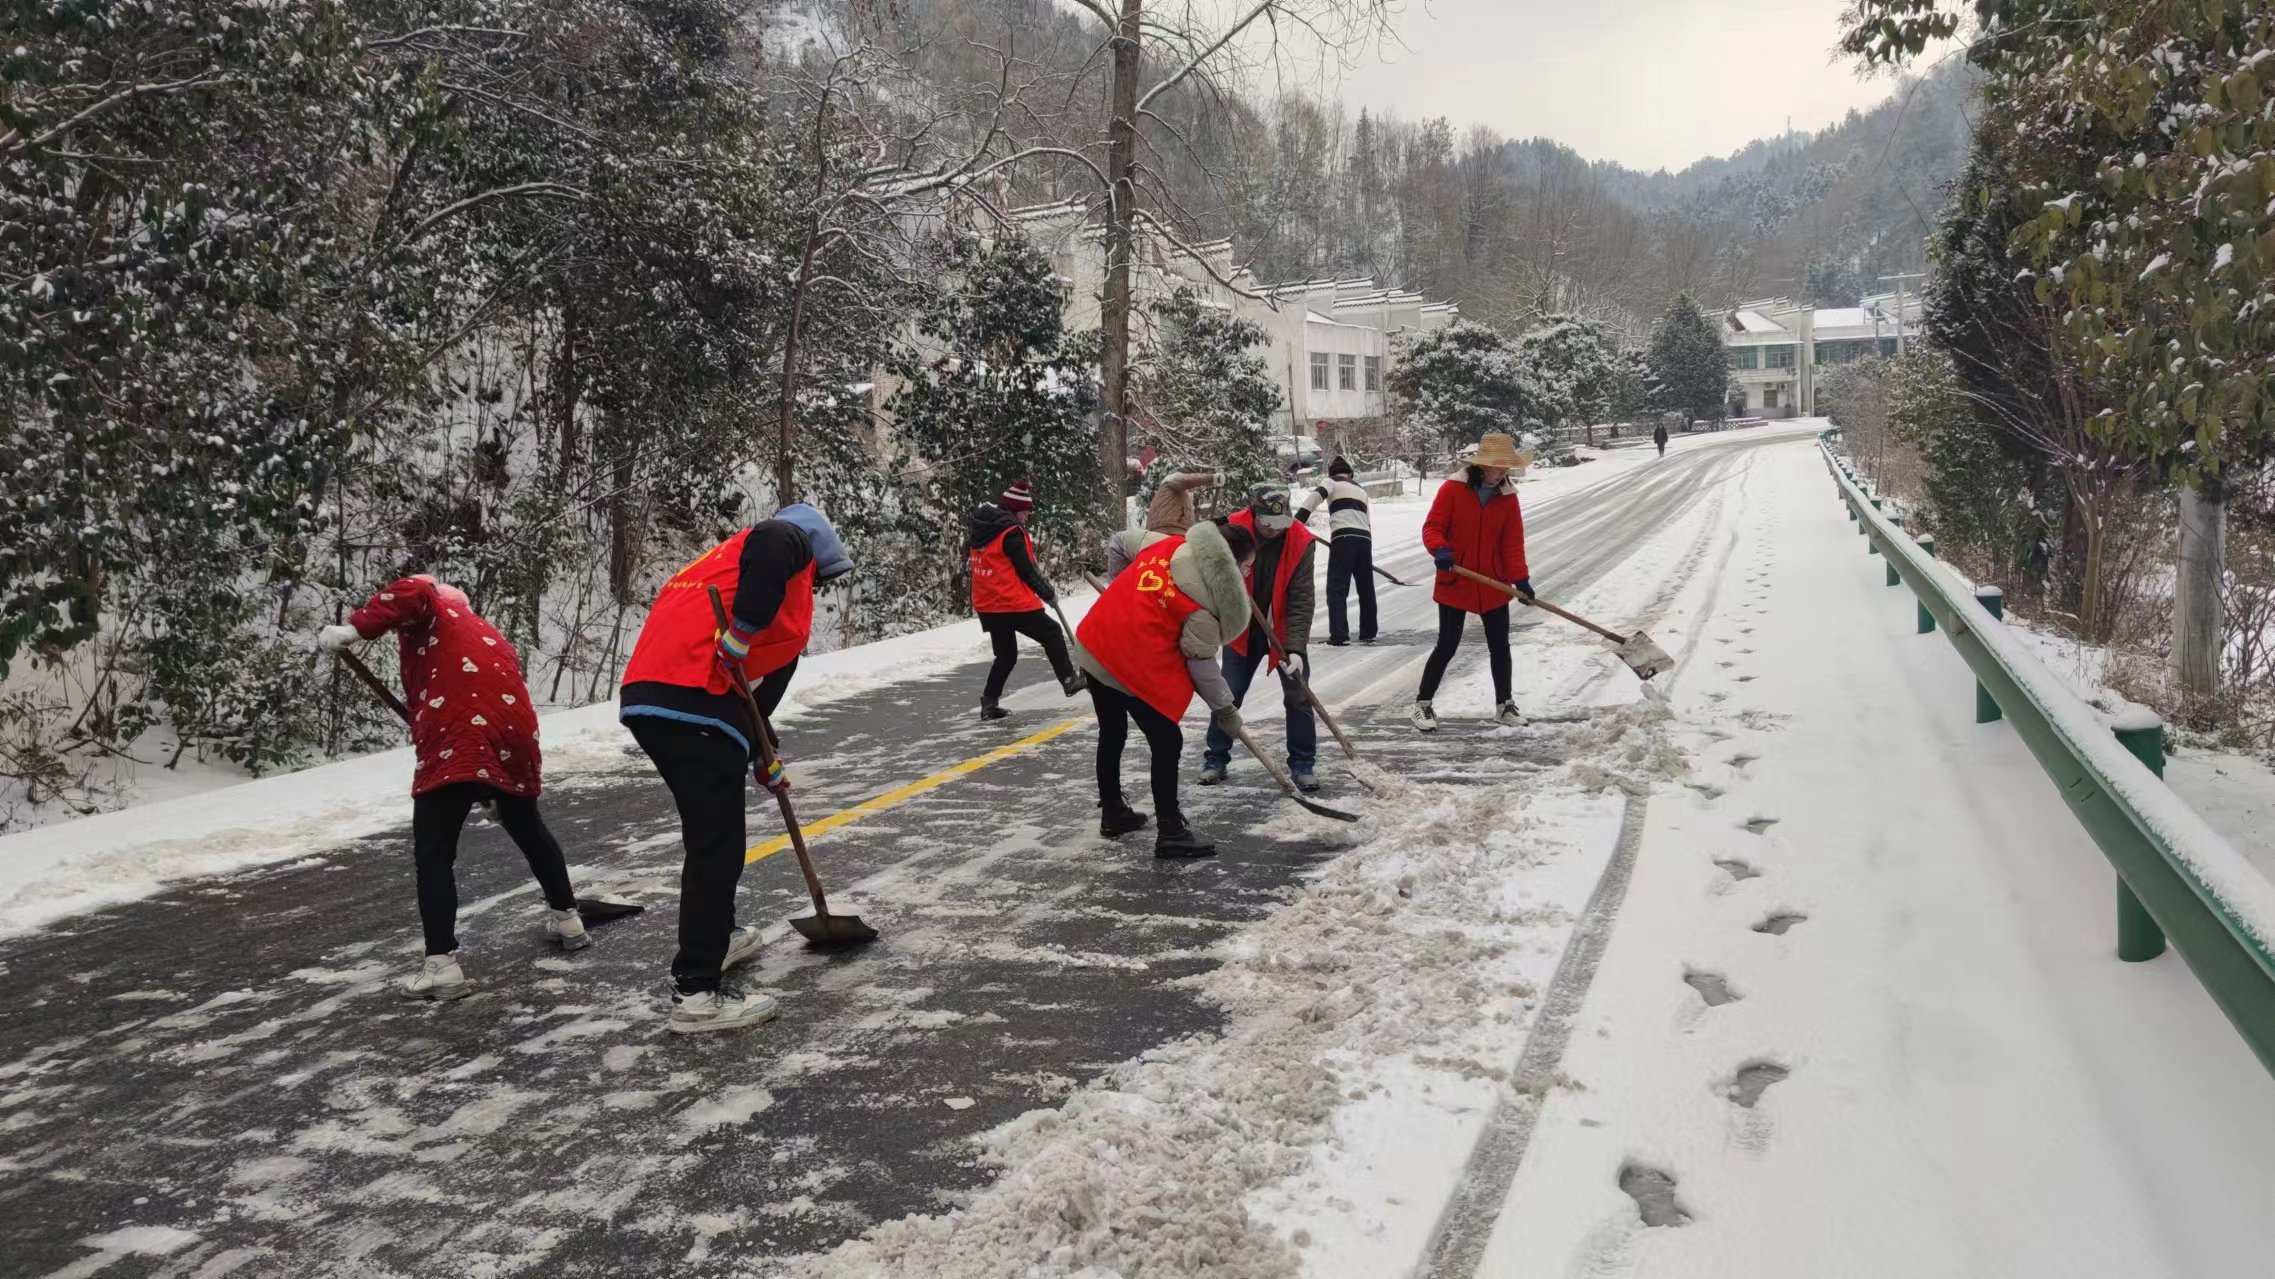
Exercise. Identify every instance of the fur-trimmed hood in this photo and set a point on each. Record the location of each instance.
(1206, 571)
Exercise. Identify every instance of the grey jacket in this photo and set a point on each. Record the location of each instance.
(1205, 571)
(1125, 546)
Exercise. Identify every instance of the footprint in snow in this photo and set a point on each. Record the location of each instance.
(1752, 1080)
(1742, 759)
(1714, 988)
(1654, 1194)
(1776, 924)
(1756, 825)
(1738, 868)
(1745, 679)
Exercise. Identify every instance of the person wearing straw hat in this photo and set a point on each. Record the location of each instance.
(1475, 523)
(1010, 593)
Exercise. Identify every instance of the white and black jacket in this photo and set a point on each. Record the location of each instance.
(1346, 505)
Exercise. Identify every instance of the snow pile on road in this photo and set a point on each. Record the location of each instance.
(1431, 935)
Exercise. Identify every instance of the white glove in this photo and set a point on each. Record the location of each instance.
(1294, 667)
(334, 638)
(1228, 719)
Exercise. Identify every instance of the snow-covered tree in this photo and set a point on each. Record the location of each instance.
(1207, 398)
(1463, 381)
(1001, 392)
(1571, 360)
(1688, 363)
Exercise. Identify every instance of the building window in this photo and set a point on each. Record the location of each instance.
(1888, 348)
(1769, 397)
(1777, 357)
(1346, 373)
(1319, 370)
(1745, 357)
(1374, 372)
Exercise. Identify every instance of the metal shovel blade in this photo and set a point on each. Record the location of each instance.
(833, 930)
(600, 910)
(1643, 656)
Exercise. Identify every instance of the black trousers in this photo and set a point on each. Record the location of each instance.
(1163, 738)
(1004, 630)
(437, 818)
(705, 770)
(1350, 562)
(1451, 620)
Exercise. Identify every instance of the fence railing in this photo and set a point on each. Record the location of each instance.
(2177, 878)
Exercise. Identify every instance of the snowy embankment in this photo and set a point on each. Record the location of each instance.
(55, 871)
(1862, 1014)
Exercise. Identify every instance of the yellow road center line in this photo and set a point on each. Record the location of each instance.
(918, 787)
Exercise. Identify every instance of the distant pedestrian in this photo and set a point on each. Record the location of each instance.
(1659, 437)
(1149, 644)
(1176, 504)
(475, 735)
(1475, 523)
(1009, 593)
(680, 703)
(1279, 594)
(1350, 550)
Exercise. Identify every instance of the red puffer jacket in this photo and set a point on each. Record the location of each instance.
(471, 720)
(1486, 538)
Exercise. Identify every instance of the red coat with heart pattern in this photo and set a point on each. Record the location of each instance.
(471, 720)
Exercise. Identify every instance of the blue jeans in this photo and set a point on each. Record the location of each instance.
(1303, 734)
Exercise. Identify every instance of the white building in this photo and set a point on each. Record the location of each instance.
(1330, 341)
(1775, 347)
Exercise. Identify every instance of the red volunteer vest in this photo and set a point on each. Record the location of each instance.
(679, 642)
(1133, 628)
(996, 587)
(1291, 555)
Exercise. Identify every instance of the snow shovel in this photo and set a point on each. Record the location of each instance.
(1097, 583)
(1642, 655)
(820, 928)
(1288, 784)
(590, 910)
(1389, 576)
(1321, 707)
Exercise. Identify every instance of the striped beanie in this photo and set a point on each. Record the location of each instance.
(1019, 497)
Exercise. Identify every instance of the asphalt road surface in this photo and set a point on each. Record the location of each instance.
(222, 1081)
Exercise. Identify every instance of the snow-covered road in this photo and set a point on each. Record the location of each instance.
(1333, 1051)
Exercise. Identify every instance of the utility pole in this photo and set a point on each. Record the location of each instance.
(1899, 282)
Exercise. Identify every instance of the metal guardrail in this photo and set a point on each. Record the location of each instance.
(2177, 877)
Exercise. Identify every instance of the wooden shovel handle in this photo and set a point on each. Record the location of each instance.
(1541, 604)
(378, 688)
(1305, 684)
(766, 758)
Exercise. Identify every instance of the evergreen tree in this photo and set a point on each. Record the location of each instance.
(1688, 363)
(1571, 359)
(1209, 397)
(1464, 381)
(1003, 392)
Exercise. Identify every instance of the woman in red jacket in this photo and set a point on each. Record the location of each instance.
(1475, 523)
(476, 738)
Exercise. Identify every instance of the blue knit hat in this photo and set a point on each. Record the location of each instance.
(830, 559)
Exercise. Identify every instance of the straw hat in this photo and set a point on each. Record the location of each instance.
(1495, 450)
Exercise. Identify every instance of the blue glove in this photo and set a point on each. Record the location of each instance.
(1524, 588)
(1444, 556)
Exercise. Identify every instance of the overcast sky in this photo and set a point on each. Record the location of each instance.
(1649, 83)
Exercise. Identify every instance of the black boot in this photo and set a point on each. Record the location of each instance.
(1177, 841)
(1075, 683)
(989, 710)
(1118, 818)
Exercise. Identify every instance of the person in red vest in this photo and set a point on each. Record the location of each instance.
(1280, 587)
(1009, 592)
(1475, 523)
(474, 733)
(1148, 644)
(680, 705)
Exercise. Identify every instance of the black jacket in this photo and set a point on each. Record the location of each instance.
(988, 523)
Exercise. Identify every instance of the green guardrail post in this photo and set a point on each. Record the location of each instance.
(1993, 601)
(1871, 547)
(1927, 619)
(2138, 937)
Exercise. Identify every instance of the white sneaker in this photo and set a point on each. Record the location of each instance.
(1424, 717)
(1510, 716)
(722, 1009)
(439, 978)
(741, 945)
(568, 928)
